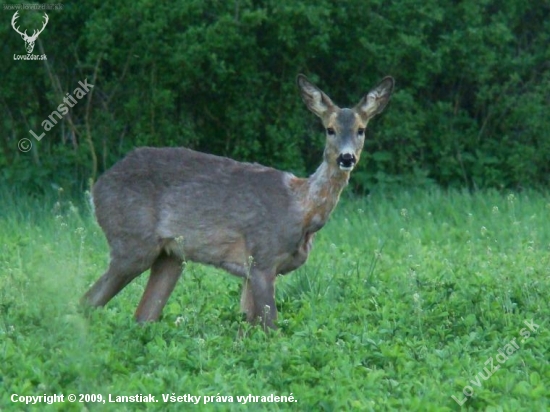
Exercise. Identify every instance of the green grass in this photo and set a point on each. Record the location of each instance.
(405, 299)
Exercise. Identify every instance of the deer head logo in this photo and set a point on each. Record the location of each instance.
(29, 40)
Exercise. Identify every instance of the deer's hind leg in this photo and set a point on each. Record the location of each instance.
(165, 272)
(123, 268)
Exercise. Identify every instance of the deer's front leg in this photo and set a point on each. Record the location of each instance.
(258, 298)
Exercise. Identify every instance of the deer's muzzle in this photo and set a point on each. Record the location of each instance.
(346, 161)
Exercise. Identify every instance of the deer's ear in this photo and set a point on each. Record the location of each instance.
(314, 98)
(376, 100)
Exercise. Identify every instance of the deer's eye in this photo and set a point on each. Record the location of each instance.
(330, 131)
(361, 132)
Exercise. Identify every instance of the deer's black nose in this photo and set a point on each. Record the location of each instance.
(346, 161)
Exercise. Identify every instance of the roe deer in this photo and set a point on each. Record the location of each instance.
(161, 206)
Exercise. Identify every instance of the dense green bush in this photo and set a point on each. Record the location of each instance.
(470, 107)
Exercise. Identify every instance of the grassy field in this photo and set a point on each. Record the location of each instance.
(408, 300)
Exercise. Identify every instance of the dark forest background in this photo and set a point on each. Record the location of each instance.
(471, 106)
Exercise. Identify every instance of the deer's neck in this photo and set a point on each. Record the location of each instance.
(319, 195)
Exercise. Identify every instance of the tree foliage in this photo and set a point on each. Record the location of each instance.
(470, 107)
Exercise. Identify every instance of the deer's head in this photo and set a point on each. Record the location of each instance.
(345, 128)
(29, 40)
